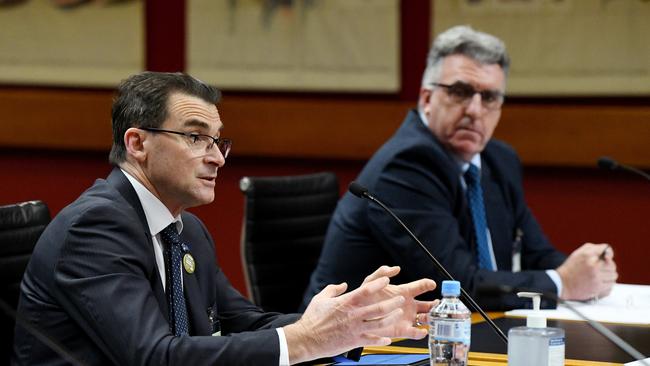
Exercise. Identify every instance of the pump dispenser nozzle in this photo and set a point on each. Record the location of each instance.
(536, 320)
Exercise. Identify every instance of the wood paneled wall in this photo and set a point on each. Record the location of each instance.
(553, 133)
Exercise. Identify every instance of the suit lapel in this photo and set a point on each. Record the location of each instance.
(119, 181)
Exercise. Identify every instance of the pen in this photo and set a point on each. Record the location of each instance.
(602, 255)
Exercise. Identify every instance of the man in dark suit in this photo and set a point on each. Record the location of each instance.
(483, 233)
(113, 282)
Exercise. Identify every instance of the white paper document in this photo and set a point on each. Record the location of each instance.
(638, 363)
(627, 304)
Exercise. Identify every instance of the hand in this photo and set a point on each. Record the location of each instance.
(368, 316)
(585, 275)
(413, 309)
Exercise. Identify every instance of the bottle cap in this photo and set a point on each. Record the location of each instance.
(450, 288)
(535, 320)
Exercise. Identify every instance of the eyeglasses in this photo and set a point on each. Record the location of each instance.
(199, 143)
(462, 93)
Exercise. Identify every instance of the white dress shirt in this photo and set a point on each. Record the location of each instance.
(158, 218)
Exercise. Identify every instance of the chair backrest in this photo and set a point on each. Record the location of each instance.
(285, 221)
(21, 225)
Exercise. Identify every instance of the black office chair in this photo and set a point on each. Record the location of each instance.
(285, 221)
(21, 225)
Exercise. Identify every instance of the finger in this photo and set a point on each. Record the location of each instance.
(425, 306)
(593, 260)
(379, 310)
(332, 290)
(609, 277)
(418, 287)
(365, 291)
(412, 333)
(396, 326)
(384, 325)
(599, 249)
(608, 265)
(605, 292)
(373, 340)
(383, 271)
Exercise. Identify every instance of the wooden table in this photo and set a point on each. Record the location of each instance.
(584, 346)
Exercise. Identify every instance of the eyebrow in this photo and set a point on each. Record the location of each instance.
(472, 86)
(199, 124)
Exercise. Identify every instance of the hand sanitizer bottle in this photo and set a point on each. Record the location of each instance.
(535, 344)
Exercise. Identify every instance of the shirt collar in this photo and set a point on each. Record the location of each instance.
(464, 165)
(423, 118)
(157, 215)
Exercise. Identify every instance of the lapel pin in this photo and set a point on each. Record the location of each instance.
(188, 263)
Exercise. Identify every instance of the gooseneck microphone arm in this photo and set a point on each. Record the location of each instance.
(607, 163)
(361, 192)
(39, 334)
(611, 336)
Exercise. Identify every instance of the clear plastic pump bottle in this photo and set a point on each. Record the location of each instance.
(535, 344)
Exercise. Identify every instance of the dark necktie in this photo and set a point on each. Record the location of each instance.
(475, 199)
(175, 299)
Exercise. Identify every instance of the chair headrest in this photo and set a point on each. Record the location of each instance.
(23, 214)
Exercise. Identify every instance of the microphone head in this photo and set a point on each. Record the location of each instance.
(605, 162)
(358, 190)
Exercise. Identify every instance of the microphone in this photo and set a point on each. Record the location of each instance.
(362, 192)
(607, 163)
(611, 336)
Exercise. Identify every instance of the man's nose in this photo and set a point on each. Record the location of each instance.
(214, 156)
(475, 106)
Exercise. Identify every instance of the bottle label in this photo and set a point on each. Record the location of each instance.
(556, 351)
(452, 330)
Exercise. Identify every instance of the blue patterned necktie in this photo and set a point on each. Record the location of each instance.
(175, 298)
(475, 199)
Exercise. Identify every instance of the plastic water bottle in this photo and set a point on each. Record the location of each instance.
(450, 328)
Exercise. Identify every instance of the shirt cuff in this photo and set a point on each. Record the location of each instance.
(284, 349)
(555, 277)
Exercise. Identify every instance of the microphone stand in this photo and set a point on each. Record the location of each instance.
(39, 334)
(362, 192)
(611, 336)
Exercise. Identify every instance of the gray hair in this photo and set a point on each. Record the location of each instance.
(463, 40)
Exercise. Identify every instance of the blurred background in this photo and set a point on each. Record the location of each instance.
(319, 85)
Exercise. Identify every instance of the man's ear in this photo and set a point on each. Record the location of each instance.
(134, 141)
(424, 101)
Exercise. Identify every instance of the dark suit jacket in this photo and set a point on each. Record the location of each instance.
(93, 285)
(415, 176)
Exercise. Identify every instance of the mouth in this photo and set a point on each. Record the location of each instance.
(465, 130)
(211, 180)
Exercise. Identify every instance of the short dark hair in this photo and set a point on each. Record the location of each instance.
(141, 101)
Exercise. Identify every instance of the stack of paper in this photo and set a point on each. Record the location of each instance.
(627, 304)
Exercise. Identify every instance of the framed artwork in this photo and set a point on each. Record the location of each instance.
(563, 47)
(295, 45)
(70, 43)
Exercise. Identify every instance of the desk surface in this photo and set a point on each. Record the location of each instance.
(582, 342)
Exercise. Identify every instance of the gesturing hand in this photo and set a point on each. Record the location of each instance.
(335, 322)
(412, 309)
